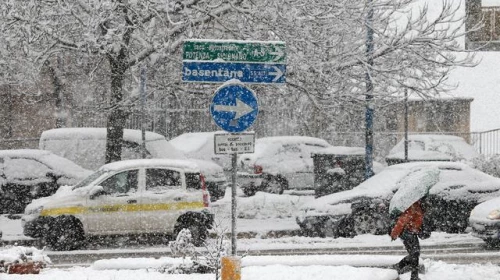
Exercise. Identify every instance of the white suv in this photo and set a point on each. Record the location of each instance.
(127, 197)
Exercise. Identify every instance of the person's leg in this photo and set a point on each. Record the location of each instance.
(406, 260)
(413, 254)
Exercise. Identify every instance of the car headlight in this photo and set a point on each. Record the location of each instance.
(494, 215)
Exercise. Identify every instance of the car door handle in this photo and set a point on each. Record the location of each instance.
(177, 198)
(131, 201)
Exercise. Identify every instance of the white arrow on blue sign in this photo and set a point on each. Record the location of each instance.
(218, 72)
(234, 108)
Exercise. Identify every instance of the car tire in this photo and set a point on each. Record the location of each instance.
(364, 223)
(66, 233)
(274, 184)
(249, 190)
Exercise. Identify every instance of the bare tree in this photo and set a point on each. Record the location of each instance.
(121, 32)
(414, 48)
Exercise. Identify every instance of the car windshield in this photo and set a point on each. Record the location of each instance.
(89, 179)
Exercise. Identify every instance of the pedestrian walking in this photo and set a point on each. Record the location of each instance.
(408, 227)
(407, 207)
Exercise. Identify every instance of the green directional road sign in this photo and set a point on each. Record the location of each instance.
(235, 51)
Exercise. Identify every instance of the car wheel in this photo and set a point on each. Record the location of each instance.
(364, 223)
(249, 190)
(274, 184)
(65, 233)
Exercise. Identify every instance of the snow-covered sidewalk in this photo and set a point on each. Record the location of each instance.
(263, 268)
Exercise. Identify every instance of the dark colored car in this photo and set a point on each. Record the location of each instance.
(337, 169)
(364, 209)
(29, 174)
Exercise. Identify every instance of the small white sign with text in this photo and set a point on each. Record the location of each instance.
(241, 143)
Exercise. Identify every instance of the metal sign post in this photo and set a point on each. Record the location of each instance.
(234, 166)
(234, 107)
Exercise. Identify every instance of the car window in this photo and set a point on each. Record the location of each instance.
(121, 183)
(23, 168)
(158, 179)
(193, 181)
(89, 179)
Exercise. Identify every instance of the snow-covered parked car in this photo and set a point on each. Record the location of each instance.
(87, 145)
(485, 221)
(432, 147)
(143, 196)
(365, 208)
(200, 145)
(279, 163)
(27, 174)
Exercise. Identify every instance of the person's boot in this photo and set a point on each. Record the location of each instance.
(414, 275)
(421, 269)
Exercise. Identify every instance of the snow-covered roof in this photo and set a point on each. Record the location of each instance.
(187, 165)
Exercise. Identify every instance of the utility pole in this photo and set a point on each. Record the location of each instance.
(142, 89)
(369, 94)
(406, 125)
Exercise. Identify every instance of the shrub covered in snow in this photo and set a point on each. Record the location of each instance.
(488, 164)
(22, 260)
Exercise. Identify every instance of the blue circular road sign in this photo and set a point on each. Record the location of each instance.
(234, 108)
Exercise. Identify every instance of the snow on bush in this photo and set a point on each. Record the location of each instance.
(266, 205)
(15, 255)
(488, 164)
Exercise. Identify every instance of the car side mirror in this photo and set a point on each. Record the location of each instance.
(96, 191)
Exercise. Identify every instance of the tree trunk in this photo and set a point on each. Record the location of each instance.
(117, 116)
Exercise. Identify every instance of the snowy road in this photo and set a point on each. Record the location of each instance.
(451, 253)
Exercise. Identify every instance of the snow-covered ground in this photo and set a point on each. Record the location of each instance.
(260, 214)
(269, 267)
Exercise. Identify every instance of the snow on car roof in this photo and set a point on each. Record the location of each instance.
(187, 165)
(57, 163)
(97, 133)
(435, 147)
(383, 184)
(342, 150)
(482, 210)
(434, 137)
(26, 153)
(292, 139)
(194, 141)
